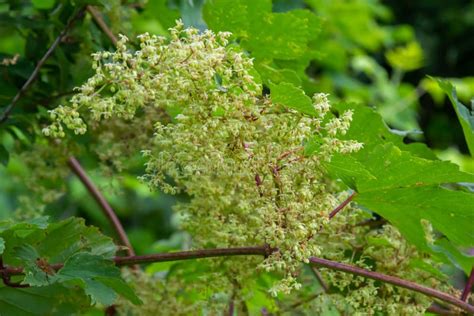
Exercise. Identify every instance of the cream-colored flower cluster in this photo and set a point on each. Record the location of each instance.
(163, 74)
(241, 159)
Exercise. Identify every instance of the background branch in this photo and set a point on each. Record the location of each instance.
(6, 113)
(101, 23)
(319, 277)
(105, 206)
(468, 287)
(342, 205)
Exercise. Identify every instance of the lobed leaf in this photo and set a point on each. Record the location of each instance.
(87, 256)
(281, 43)
(406, 184)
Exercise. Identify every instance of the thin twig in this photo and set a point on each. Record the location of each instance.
(468, 287)
(342, 205)
(438, 310)
(34, 74)
(101, 23)
(303, 301)
(320, 279)
(393, 280)
(105, 206)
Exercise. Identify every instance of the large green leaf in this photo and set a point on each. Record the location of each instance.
(86, 254)
(465, 115)
(56, 241)
(394, 168)
(405, 184)
(369, 128)
(281, 43)
(450, 212)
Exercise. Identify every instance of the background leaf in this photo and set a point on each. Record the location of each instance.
(465, 116)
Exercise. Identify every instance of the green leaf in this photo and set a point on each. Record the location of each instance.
(292, 97)
(369, 128)
(43, 4)
(418, 263)
(99, 278)
(4, 155)
(23, 229)
(348, 169)
(34, 274)
(405, 183)
(406, 58)
(86, 254)
(47, 300)
(465, 115)
(56, 241)
(450, 212)
(2, 245)
(121, 288)
(273, 74)
(456, 256)
(282, 35)
(235, 16)
(281, 43)
(394, 168)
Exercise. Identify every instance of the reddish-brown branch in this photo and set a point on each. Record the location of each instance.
(342, 205)
(468, 287)
(6, 278)
(393, 280)
(172, 256)
(105, 206)
(193, 254)
(101, 23)
(266, 251)
(6, 113)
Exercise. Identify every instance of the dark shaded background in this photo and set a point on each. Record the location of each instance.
(445, 30)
